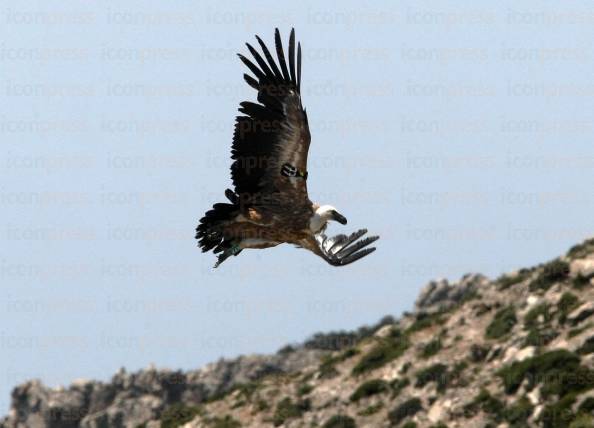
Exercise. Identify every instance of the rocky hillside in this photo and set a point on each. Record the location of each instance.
(517, 351)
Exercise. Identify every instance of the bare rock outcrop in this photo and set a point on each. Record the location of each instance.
(440, 293)
(513, 352)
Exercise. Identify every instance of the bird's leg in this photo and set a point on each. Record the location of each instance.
(233, 250)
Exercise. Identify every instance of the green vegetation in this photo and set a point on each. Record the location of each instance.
(486, 403)
(552, 272)
(456, 375)
(245, 389)
(581, 250)
(405, 368)
(431, 348)
(287, 349)
(533, 317)
(559, 414)
(386, 350)
(304, 389)
(587, 347)
(349, 353)
(286, 409)
(567, 303)
(481, 309)
(340, 421)
(327, 370)
(506, 281)
(536, 321)
(437, 373)
(439, 425)
(425, 320)
(332, 341)
(478, 353)
(261, 405)
(502, 323)
(559, 372)
(407, 409)
(369, 388)
(539, 337)
(370, 410)
(516, 415)
(582, 421)
(587, 406)
(580, 282)
(574, 332)
(178, 414)
(226, 422)
(410, 424)
(327, 367)
(339, 340)
(397, 385)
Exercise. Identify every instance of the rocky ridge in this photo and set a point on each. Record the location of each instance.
(517, 351)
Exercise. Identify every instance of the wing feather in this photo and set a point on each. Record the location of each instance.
(341, 250)
(292, 57)
(299, 66)
(274, 131)
(269, 58)
(251, 81)
(251, 66)
(281, 54)
(260, 62)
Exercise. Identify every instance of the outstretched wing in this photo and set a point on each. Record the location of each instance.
(271, 140)
(341, 250)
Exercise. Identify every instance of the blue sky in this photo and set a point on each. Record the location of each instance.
(459, 132)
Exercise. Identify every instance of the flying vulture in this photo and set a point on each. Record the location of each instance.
(270, 204)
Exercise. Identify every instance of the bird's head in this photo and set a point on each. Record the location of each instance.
(322, 215)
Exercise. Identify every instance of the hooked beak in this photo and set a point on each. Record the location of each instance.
(339, 217)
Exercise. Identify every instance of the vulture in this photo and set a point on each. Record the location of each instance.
(269, 204)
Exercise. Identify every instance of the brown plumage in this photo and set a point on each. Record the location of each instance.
(270, 203)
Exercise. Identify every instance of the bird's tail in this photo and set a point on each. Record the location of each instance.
(210, 232)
